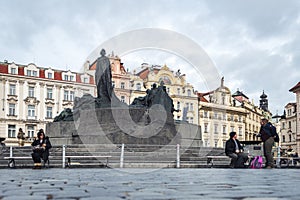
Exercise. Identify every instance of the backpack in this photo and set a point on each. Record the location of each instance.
(257, 162)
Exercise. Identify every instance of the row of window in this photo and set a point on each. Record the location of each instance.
(122, 85)
(224, 129)
(139, 87)
(188, 106)
(49, 75)
(289, 125)
(68, 95)
(12, 131)
(189, 92)
(223, 116)
(30, 111)
(254, 128)
(284, 139)
(13, 70)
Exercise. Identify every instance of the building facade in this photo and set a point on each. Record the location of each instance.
(218, 117)
(253, 113)
(32, 96)
(220, 113)
(296, 90)
(288, 124)
(184, 96)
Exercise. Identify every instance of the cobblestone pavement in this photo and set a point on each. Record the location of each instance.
(149, 184)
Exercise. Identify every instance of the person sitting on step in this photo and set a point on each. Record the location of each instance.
(40, 147)
(234, 150)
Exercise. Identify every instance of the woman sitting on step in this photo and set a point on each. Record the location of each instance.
(40, 147)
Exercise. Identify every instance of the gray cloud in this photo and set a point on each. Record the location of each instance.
(246, 39)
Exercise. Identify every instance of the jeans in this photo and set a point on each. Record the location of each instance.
(267, 146)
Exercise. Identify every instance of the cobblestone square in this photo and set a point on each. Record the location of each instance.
(149, 184)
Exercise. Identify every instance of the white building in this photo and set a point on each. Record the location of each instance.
(296, 90)
(218, 117)
(288, 127)
(32, 96)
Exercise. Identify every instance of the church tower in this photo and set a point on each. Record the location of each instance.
(263, 102)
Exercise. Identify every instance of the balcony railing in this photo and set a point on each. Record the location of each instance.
(31, 117)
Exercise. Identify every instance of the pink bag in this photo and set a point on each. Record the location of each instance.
(257, 162)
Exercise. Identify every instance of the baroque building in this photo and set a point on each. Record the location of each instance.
(32, 96)
(253, 113)
(184, 96)
(220, 113)
(218, 117)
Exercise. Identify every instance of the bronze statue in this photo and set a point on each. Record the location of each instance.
(103, 77)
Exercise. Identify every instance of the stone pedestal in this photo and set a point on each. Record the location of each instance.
(123, 125)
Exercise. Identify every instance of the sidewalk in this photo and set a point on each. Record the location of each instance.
(149, 184)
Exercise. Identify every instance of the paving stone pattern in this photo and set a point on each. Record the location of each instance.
(81, 184)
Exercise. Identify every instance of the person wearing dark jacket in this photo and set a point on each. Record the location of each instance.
(234, 150)
(40, 147)
(267, 133)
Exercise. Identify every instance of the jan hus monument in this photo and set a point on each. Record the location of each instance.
(105, 119)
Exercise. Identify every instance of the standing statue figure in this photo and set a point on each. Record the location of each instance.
(103, 77)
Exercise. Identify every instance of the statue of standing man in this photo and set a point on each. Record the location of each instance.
(103, 77)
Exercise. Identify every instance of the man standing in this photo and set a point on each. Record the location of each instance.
(234, 150)
(267, 133)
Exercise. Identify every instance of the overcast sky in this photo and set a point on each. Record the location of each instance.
(254, 44)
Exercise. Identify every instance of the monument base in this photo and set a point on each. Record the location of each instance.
(124, 126)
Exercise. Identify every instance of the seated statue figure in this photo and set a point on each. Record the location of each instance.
(65, 115)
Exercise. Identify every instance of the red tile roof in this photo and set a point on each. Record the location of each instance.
(21, 71)
(57, 73)
(57, 76)
(201, 96)
(42, 73)
(3, 68)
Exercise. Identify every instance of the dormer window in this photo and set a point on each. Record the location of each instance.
(86, 80)
(66, 78)
(13, 70)
(31, 73)
(50, 75)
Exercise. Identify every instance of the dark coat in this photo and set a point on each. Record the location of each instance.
(37, 143)
(230, 146)
(267, 131)
(39, 151)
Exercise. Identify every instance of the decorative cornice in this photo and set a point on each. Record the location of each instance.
(31, 100)
(12, 98)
